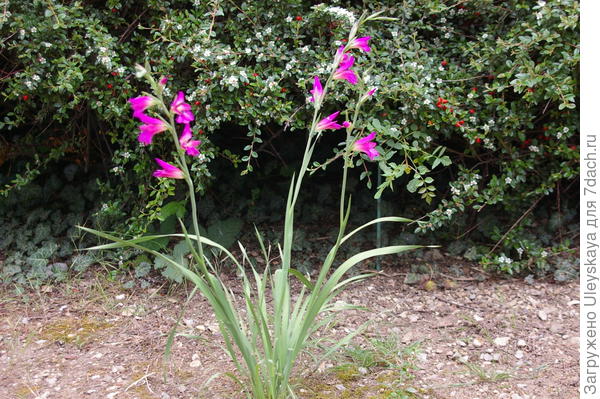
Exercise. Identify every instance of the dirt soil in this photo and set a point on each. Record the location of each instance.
(91, 338)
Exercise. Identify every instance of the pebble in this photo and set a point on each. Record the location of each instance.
(521, 343)
(573, 341)
(189, 322)
(556, 327)
(542, 315)
(408, 337)
(519, 354)
(501, 341)
(476, 343)
(117, 369)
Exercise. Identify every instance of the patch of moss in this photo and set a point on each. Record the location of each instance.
(141, 391)
(73, 330)
(346, 373)
(374, 392)
(25, 392)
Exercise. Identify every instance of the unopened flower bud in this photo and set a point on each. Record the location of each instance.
(140, 71)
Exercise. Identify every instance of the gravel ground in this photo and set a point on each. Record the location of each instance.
(89, 338)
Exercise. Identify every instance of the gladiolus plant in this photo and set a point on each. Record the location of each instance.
(265, 341)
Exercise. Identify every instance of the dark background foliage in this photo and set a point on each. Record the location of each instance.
(491, 173)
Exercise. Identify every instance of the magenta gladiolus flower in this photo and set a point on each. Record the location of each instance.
(140, 104)
(185, 140)
(182, 109)
(317, 91)
(346, 62)
(151, 126)
(330, 123)
(163, 81)
(168, 170)
(371, 92)
(366, 145)
(344, 72)
(360, 43)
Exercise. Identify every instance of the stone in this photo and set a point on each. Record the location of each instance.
(556, 327)
(501, 341)
(542, 315)
(408, 337)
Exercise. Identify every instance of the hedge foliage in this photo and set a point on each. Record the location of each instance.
(476, 102)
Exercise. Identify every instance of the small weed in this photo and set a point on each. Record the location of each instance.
(386, 359)
(384, 353)
(485, 376)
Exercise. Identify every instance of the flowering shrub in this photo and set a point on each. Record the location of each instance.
(474, 113)
(264, 344)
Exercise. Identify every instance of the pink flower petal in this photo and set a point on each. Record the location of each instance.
(182, 109)
(140, 104)
(168, 170)
(367, 146)
(317, 91)
(347, 75)
(361, 43)
(185, 140)
(150, 127)
(329, 123)
(346, 62)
